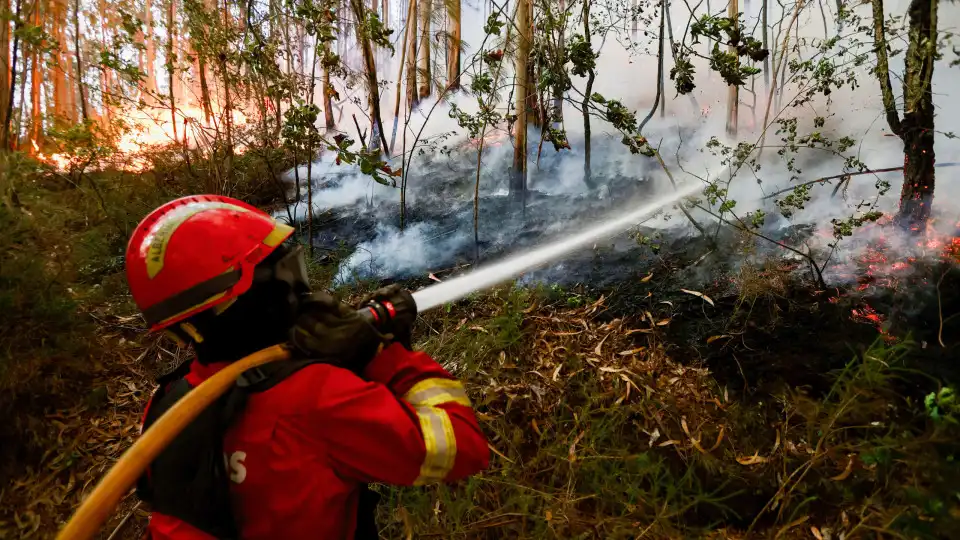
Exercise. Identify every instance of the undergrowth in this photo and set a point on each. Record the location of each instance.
(597, 433)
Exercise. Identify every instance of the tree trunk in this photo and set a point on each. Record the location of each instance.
(917, 129)
(883, 69)
(403, 58)
(733, 91)
(76, 49)
(150, 82)
(412, 17)
(426, 73)
(766, 60)
(660, 60)
(518, 178)
(70, 67)
(585, 106)
(8, 105)
(171, 62)
(36, 85)
(4, 62)
(328, 121)
(205, 102)
(453, 44)
(557, 112)
(227, 99)
(378, 139)
(61, 99)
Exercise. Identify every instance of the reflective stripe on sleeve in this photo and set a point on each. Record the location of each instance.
(438, 436)
(432, 392)
(440, 442)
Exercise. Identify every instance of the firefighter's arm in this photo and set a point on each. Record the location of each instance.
(409, 423)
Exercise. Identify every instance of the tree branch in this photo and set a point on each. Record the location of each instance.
(883, 69)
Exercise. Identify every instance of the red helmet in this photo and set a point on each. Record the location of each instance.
(195, 253)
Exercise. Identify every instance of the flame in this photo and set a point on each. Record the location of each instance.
(147, 131)
(884, 264)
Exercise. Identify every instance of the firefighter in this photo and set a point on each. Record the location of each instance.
(287, 453)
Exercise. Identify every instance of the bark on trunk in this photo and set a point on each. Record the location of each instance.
(171, 62)
(412, 95)
(518, 178)
(766, 60)
(378, 139)
(883, 69)
(8, 105)
(426, 74)
(36, 87)
(61, 91)
(150, 83)
(917, 126)
(585, 106)
(328, 121)
(733, 92)
(4, 63)
(557, 108)
(453, 45)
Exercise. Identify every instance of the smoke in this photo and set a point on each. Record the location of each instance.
(394, 253)
(442, 167)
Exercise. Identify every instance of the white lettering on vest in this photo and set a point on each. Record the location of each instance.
(235, 466)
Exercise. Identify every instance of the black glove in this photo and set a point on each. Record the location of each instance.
(329, 330)
(401, 325)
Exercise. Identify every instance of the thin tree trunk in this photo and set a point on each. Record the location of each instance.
(313, 88)
(660, 55)
(227, 102)
(766, 59)
(76, 49)
(518, 178)
(400, 65)
(5, 72)
(151, 52)
(23, 99)
(205, 102)
(426, 68)
(171, 62)
(733, 91)
(328, 121)
(61, 94)
(557, 112)
(883, 69)
(585, 106)
(378, 139)
(413, 18)
(8, 114)
(36, 87)
(453, 44)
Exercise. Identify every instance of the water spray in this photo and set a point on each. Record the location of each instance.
(484, 278)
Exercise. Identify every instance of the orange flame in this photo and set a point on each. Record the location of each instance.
(146, 131)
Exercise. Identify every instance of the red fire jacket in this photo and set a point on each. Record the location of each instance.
(300, 450)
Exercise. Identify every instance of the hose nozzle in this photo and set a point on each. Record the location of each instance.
(382, 313)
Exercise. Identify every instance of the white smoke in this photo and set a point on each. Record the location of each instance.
(628, 75)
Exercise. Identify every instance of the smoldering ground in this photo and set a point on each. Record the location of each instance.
(358, 220)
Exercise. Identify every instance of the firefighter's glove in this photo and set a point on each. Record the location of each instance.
(401, 325)
(329, 330)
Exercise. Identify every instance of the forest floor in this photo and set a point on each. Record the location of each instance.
(753, 405)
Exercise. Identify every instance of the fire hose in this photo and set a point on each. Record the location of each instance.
(96, 508)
